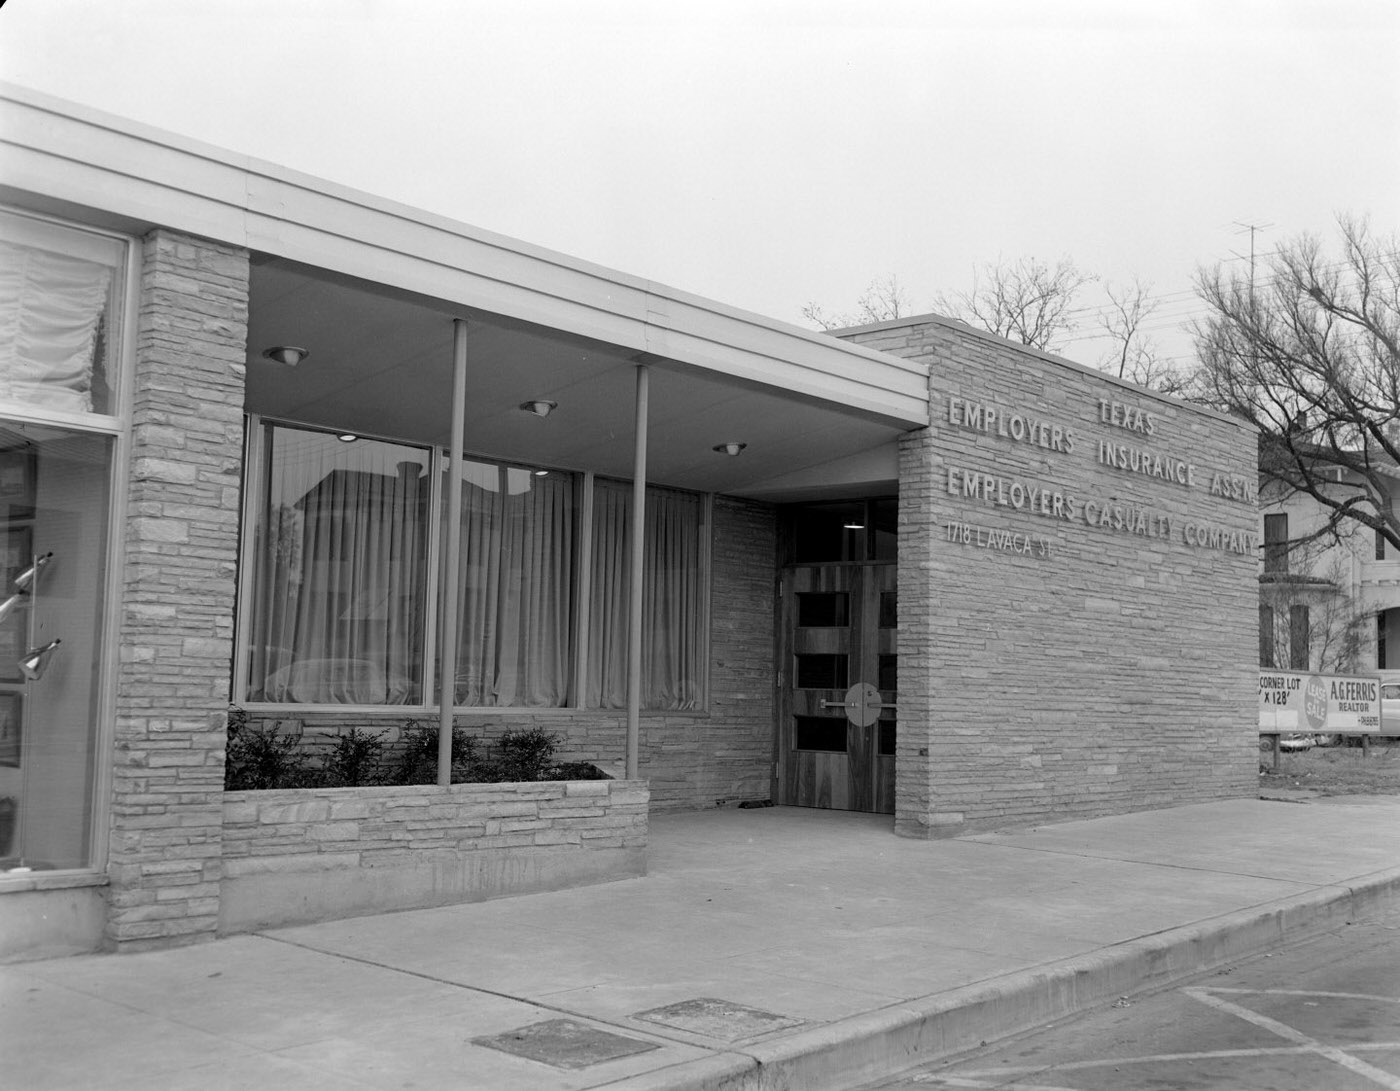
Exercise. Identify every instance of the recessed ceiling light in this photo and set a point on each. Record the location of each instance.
(540, 407)
(290, 355)
(731, 449)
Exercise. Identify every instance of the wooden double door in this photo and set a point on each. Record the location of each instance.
(837, 687)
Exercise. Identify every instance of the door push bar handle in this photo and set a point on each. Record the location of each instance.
(862, 704)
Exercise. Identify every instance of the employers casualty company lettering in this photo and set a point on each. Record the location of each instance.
(1112, 513)
(1104, 514)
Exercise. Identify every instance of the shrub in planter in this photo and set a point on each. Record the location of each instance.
(356, 760)
(519, 756)
(578, 770)
(262, 757)
(417, 760)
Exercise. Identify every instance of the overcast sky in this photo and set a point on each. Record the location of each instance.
(772, 153)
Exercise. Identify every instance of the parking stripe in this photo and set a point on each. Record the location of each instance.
(1312, 1045)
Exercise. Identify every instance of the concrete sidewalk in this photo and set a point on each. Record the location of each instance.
(774, 948)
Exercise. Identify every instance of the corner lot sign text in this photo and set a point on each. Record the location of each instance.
(1337, 704)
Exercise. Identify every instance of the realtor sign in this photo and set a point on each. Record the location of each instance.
(1335, 704)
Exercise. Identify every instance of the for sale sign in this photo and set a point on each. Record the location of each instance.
(1334, 704)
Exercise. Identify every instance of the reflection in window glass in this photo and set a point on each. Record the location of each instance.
(821, 671)
(884, 529)
(515, 587)
(825, 733)
(58, 293)
(823, 609)
(672, 600)
(341, 558)
(54, 500)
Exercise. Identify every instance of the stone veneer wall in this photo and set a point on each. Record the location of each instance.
(315, 854)
(181, 538)
(1115, 671)
(690, 759)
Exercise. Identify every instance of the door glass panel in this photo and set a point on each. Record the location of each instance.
(821, 672)
(823, 609)
(55, 488)
(820, 533)
(889, 673)
(889, 612)
(885, 741)
(884, 527)
(824, 733)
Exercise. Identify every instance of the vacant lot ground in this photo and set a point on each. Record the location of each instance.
(1336, 770)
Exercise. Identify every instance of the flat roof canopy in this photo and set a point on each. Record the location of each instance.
(371, 288)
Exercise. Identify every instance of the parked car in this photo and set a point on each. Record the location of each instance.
(1291, 740)
(1390, 707)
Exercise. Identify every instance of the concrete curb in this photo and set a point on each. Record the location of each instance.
(880, 1045)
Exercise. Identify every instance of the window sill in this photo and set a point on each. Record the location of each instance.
(11, 883)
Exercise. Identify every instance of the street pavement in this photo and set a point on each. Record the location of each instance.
(1323, 1012)
(764, 949)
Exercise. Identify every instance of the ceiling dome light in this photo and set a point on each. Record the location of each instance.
(730, 449)
(289, 355)
(540, 407)
(347, 437)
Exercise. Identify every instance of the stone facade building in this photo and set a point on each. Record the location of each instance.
(272, 444)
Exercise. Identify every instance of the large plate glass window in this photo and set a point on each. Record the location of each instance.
(62, 303)
(673, 599)
(515, 587)
(55, 492)
(340, 563)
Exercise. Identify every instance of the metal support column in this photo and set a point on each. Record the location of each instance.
(447, 639)
(634, 624)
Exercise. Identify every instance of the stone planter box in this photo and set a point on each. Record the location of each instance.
(301, 855)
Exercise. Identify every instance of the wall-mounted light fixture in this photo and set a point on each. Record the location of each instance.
(25, 578)
(730, 449)
(287, 355)
(36, 660)
(540, 407)
(8, 606)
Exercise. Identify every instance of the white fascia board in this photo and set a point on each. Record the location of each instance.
(70, 155)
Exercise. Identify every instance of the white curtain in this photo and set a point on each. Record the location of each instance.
(51, 311)
(342, 569)
(672, 604)
(515, 588)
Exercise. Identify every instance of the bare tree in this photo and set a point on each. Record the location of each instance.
(1310, 355)
(1026, 300)
(1030, 302)
(1134, 355)
(1307, 617)
(884, 299)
